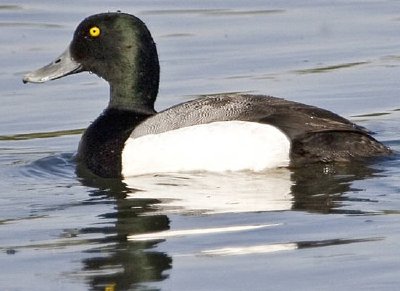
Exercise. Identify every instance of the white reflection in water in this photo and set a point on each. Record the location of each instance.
(246, 250)
(195, 231)
(210, 193)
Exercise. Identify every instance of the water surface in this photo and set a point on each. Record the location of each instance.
(319, 228)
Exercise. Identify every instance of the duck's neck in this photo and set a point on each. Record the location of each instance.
(127, 97)
(136, 76)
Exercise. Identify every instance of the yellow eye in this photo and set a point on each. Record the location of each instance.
(94, 31)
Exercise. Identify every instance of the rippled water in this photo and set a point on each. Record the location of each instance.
(319, 228)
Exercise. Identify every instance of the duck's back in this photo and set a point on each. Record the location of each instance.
(291, 117)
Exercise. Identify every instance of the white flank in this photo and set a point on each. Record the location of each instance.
(216, 147)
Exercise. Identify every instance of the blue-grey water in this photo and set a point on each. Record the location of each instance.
(320, 228)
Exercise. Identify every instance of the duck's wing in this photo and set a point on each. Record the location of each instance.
(293, 118)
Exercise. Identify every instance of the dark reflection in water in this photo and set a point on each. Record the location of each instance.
(121, 264)
(125, 264)
(320, 188)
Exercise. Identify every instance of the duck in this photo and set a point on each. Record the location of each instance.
(213, 133)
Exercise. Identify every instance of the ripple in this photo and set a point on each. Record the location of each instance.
(214, 12)
(271, 248)
(375, 114)
(35, 135)
(329, 68)
(60, 165)
(197, 231)
(30, 25)
(175, 35)
(10, 7)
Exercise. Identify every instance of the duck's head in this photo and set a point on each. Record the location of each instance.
(117, 47)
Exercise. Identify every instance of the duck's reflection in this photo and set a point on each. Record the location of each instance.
(118, 264)
(143, 206)
(320, 188)
(211, 193)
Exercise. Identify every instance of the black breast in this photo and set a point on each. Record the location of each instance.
(102, 143)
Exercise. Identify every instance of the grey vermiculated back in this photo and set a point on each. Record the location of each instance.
(291, 117)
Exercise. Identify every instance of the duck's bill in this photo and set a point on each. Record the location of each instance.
(62, 66)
